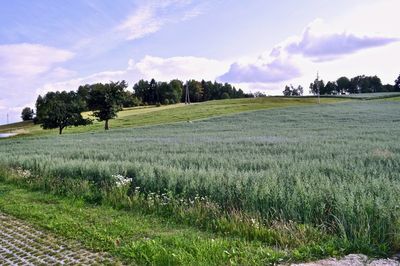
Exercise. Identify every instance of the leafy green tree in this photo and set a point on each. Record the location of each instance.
(317, 85)
(27, 114)
(195, 90)
(299, 91)
(287, 91)
(208, 87)
(175, 91)
(343, 85)
(375, 84)
(330, 88)
(83, 93)
(259, 94)
(153, 92)
(365, 84)
(292, 91)
(60, 110)
(397, 84)
(130, 100)
(388, 88)
(106, 100)
(142, 90)
(225, 96)
(164, 92)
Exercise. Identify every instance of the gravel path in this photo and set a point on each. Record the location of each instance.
(353, 260)
(21, 244)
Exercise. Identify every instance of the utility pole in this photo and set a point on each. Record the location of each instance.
(7, 119)
(319, 101)
(187, 96)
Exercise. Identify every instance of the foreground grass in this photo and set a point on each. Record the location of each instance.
(152, 115)
(145, 239)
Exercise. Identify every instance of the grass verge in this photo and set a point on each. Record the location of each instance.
(144, 234)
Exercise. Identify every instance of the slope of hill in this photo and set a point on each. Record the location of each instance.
(255, 188)
(152, 115)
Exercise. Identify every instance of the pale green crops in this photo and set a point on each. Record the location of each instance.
(324, 165)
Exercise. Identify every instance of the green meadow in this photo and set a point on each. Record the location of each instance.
(246, 181)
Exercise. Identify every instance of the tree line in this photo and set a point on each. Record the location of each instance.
(344, 85)
(153, 92)
(64, 109)
(358, 84)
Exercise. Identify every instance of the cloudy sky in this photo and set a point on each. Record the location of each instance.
(258, 45)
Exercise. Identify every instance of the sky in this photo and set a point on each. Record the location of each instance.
(257, 45)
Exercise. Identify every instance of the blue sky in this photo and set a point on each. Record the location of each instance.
(258, 45)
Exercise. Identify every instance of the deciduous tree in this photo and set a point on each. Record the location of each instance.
(27, 114)
(106, 100)
(397, 84)
(60, 110)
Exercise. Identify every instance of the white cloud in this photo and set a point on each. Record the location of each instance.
(30, 59)
(153, 15)
(161, 69)
(22, 66)
(142, 23)
(320, 43)
(275, 69)
(341, 46)
(185, 67)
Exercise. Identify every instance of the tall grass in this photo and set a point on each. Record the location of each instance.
(335, 167)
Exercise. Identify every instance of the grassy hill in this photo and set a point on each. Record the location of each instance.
(152, 115)
(255, 188)
(296, 182)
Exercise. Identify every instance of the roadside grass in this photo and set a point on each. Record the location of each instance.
(152, 115)
(146, 239)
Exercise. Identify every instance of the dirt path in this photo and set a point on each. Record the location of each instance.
(353, 260)
(21, 244)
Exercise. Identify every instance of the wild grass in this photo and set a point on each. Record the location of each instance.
(334, 168)
(141, 238)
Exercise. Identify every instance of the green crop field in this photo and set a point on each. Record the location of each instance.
(152, 115)
(376, 95)
(330, 169)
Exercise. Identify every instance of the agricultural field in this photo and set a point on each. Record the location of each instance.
(297, 183)
(376, 95)
(152, 115)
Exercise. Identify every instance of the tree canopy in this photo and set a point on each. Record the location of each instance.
(60, 110)
(106, 100)
(63, 109)
(292, 91)
(358, 84)
(397, 84)
(153, 92)
(27, 114)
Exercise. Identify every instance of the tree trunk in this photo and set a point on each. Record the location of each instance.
(106, 125)
(60, 129)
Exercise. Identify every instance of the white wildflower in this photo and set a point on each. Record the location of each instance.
(121, 181)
